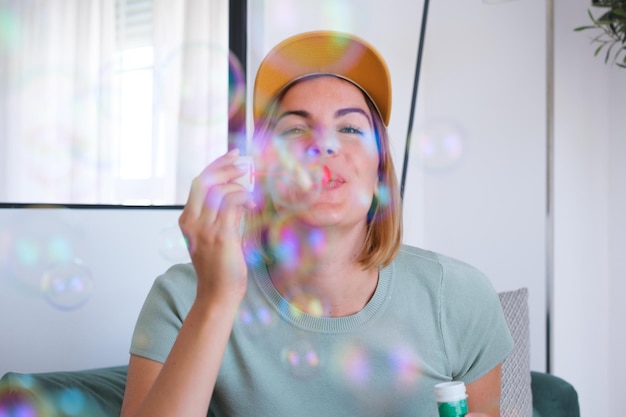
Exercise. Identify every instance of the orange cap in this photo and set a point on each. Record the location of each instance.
(323, 52)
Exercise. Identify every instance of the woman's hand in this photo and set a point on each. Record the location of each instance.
(210, 223)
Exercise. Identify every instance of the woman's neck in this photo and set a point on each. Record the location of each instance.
(323, 277)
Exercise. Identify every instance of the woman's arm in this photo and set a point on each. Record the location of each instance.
(183, 385)
(483, 395)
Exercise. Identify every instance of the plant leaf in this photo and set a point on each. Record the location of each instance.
(578, 29)
(593, 19)
(619, 12)
(608, 53)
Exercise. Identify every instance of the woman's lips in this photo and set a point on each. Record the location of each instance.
(333, 183)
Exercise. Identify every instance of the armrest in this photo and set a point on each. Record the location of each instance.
(553, 396)
(92, 392)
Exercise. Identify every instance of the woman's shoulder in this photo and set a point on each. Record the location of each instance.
(413, 254)
(178, 279)
(445, 268)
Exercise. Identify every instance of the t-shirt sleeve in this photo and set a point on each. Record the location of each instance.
(474, 329)
(163, 312)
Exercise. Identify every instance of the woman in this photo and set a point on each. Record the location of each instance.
(318, 309)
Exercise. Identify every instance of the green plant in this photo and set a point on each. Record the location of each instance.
(612, 27)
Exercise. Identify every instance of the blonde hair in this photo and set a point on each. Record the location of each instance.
(384, 219)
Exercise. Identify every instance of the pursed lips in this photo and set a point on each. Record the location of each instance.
(334, 182)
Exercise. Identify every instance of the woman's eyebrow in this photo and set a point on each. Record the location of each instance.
(342, 112)
(301, 113)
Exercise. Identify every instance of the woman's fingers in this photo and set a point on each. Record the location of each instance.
(224, 203)
(220, 171)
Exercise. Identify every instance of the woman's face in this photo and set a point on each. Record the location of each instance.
(324, 126)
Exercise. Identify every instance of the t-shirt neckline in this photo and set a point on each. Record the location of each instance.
(324, 324)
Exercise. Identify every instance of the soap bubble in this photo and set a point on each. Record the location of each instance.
(297, 251)
(67, 286)
(300, 359)
(72, 402)
(440, 146)
(304, 299)
(31, 245)
(256, 317)
(22, 399)
(199, 89)
(236, 86)
(172, 244)
(9, 30)
(296, 185)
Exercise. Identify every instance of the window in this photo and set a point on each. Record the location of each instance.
(111, 102)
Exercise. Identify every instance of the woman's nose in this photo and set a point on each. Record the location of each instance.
(323, 145)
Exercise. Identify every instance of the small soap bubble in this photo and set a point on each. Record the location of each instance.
(31, 245)
(173, 245)
(9, 30)
(142, 340)
(355, 366)
(199, 90)
(306, 300)
(72, 402)
(300, 359)
(440, 146)
(18, 401)
(295, 183)
(67, 286)
(295, 250)
(236, 86)
(256, 320)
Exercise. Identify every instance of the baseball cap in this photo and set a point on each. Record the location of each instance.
(323, 52)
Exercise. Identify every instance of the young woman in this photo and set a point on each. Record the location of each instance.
(317, 309)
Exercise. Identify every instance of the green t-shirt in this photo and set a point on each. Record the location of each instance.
(431, 319)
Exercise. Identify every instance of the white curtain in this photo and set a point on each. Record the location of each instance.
(50, 84)
(191, 52)
(57, 100)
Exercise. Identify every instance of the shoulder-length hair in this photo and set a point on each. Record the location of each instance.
(384, 219)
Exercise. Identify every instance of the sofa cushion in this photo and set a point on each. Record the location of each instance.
(516, 399)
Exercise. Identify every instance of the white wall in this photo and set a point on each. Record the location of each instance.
(590, 184)
(617, 237)
(484, 81)
(122, 252)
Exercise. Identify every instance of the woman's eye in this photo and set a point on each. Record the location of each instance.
(293, 131)
(351, 130)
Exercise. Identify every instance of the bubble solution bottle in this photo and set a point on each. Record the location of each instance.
(451, 399)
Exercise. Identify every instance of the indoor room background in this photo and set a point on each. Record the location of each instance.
(516, 163)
